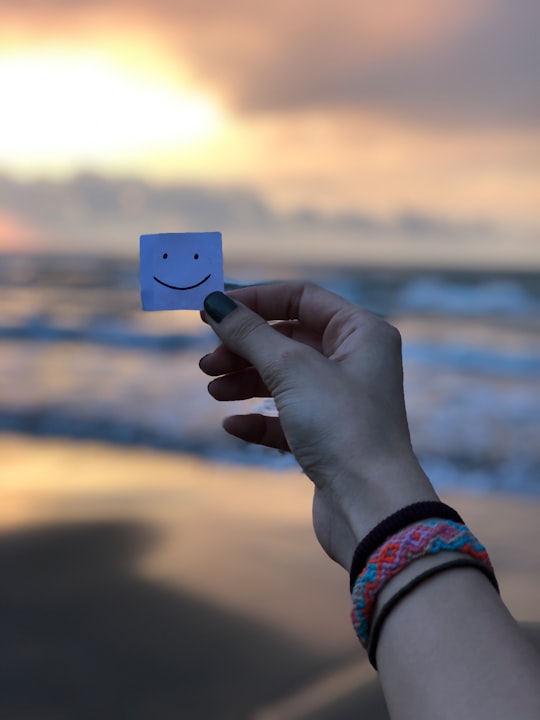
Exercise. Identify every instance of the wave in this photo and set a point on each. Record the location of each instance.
(492, 362)
(81, 360)
(109, 332)
(447, 470)
(487, 298)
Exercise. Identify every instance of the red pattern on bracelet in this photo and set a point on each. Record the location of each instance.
(425, 538)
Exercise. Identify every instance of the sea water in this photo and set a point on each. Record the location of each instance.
(78, 358)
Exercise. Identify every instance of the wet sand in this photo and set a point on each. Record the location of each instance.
(143, 584)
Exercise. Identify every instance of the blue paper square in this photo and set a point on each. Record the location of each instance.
(178, 270)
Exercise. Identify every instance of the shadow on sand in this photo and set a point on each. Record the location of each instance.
(83, 636)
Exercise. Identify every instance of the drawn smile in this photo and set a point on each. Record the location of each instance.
(173, 287)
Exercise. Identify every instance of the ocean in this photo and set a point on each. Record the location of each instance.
(80, 359)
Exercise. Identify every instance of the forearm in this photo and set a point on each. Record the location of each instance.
(451, 649)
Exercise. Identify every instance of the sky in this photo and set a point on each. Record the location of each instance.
(414, 125)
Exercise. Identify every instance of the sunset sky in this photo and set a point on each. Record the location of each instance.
(429, 108)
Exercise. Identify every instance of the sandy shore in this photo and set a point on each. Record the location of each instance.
(159, 585)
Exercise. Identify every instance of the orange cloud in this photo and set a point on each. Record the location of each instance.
(470, 64)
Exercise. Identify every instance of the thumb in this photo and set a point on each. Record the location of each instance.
(244, 332)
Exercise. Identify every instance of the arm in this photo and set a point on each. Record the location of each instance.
(335, 373)
(451, 649)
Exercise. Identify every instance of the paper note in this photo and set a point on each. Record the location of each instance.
(178, 270)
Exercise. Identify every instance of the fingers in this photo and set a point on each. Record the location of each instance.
(222, 361)
(257, 429)
(247, 334)
(238, 386)
(312, 305)
(327, 318)
(294, 330)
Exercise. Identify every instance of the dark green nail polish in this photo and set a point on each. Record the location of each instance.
(204, 358)
(218, 305)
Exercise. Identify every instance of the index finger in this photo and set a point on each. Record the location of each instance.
(311, 304)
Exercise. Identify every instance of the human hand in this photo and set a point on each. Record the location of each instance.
(335, 373)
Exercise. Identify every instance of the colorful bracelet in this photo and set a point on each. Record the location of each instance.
(424, 538)
(399, 520)
(382, 614)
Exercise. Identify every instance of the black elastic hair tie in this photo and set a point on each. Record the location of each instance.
(395, 523)
(462, 562)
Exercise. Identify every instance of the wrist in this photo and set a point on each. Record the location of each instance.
(404, 551)
(387, 489)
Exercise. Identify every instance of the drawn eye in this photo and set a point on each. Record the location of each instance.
(196, 256)
(165, 256)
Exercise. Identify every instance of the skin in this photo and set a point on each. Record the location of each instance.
(335, 373)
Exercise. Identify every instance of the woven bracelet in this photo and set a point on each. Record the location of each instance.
(393, 524)
(465, 561)
(425, 538)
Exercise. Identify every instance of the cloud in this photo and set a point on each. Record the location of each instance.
(453, 63)
(93, 214)
(90, 214)
(473, 64)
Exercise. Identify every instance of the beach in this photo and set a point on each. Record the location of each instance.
(155, 567)
(142, 583)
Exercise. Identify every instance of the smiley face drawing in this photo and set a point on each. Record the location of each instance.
(178, 270)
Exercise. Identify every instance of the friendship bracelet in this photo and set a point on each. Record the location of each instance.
(393, 524)
(425, 538)
(465, 561)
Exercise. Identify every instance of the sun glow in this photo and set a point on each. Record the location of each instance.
(15, 233)
(63, 109)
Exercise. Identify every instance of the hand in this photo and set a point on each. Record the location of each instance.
(335, 373)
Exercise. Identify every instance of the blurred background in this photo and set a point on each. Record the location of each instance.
(153, 566)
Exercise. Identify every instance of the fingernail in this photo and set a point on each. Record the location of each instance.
(218, 305)
(204, 358)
